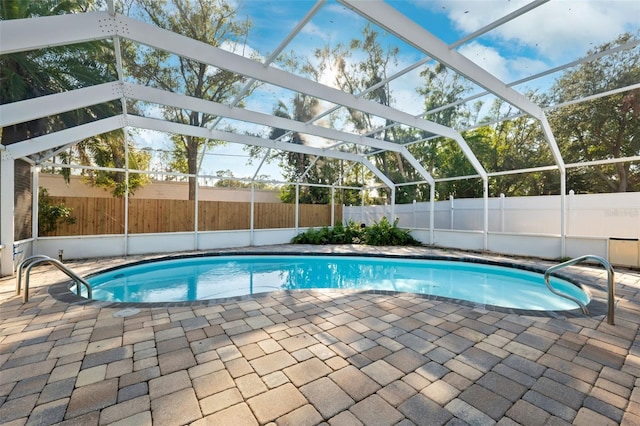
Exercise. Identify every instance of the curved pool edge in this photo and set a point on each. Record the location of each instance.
(597, 306)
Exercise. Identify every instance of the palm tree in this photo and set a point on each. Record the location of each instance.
(31, 74)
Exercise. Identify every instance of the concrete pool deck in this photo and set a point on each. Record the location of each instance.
(316, 357)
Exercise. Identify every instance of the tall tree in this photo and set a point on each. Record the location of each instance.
(31, 74)
(362, 68)
(213, 22)
(513, 144)
(298, 166)
(108, 151)
(602, 128)
(442, 157)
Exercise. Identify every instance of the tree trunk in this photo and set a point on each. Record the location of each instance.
(622, 176)
(192, 166)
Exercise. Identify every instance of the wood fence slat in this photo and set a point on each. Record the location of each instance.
(98, 216)
(93, 216)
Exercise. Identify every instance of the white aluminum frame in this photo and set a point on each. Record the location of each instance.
(28, 34)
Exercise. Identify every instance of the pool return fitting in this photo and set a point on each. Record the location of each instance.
(39, 259)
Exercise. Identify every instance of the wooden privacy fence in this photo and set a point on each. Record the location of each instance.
(98, 216)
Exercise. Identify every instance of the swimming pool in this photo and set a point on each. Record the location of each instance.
(214, 277)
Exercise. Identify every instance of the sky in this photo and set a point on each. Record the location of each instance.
(552, 34)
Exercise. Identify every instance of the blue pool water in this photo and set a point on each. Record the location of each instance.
(201, 278)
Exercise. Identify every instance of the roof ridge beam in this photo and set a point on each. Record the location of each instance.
(18, 35)
(382, 14)
(159, 96)
(162, 39)
(44, 106)
(181, 45)
(589, 58)
(170, 127)
(198, 51)
(149, 94)
(64, 137)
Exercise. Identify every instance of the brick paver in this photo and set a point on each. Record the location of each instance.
(376, 411)
(328, 398)
(176, 408)
(277, 402)
(314, 357)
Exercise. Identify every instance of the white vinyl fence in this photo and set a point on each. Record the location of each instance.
(589, 215)
(523, 225)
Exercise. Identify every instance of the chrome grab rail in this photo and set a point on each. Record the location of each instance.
(32, 261)
(610, 284)
(22, 265)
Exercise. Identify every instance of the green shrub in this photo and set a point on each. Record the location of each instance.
(384, 233)
(381, 233)
(51, 215)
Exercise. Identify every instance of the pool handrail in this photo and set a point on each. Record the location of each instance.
(610, 284)
(24, 264)
(40, 259)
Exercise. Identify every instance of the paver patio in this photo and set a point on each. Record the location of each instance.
(315, 357)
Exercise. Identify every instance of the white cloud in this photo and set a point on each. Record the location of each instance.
(554, 33)
(488, 58)
(506, 69)
(240, 49)
(151, 139)
(154, 111)
(313, 30)
(554, 29)
(469, 16)
(525, 67)
(572, 27)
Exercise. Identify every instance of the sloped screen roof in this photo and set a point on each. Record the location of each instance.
(330, 79)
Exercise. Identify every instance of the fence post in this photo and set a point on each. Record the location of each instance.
(392, 214)
(414, 214)
(451, 200)
(570, 210)
(385, 212)
(333, 206)
(502, 213)
(362, 208)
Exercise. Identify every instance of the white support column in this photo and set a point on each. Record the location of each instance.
(196, 237)
(432, 213)
(125, 136)
(333, 206)
(546, 129)
(297, 206)
(35, 196)
(563, 213)
(126, 193)
(485, 190)
(7, 183)
(253, 210)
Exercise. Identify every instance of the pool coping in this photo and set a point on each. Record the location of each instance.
(597, 306)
